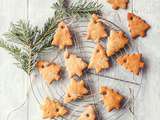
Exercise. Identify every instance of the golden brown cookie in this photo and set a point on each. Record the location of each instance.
(131, 62)
(99, 60)
(137, 26)
(88, 114)
(96, 29)
(74, 64)
(111, 99)
(62, 36)
(75, 91)
(116, 41)
(49, 72)
(53, 109)
(116, 4)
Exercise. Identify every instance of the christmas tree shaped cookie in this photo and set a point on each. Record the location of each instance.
(131, 62)
(49, 71)
(116, 41)
(53, 109)
(62, 36)
(137, 26)
(75, 90)
(74, 64)
(99, 59)
(96, 29)
(116, 4)
(111, 99)
(88, 114)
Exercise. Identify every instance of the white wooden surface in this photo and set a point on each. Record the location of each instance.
(12, 80)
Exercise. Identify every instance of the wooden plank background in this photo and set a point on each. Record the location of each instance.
(12, 80)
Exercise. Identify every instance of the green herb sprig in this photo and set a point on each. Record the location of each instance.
(26, 42)
(81, 8)
(20, 42)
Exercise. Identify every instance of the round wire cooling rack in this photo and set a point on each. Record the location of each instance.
(114, 77)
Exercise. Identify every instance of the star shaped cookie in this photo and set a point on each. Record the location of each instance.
(75, 91)
(111, 99)
(137, 26)
(99, 59)
(88, 114)
(49, 71)
(96, 29)
(53, 109)
(62, 37)
(116, 41)
(131, 62)
(74, 64)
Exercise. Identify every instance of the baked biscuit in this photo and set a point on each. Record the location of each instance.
(74, 64)
(62, 37)
(131, 62)
(137, 26)
(116, 4)
(49, 71)
(53, 109)
(88, 114)
(96, 29)
(116, 41)
(75, 91)
(111, 99)
(99, 59)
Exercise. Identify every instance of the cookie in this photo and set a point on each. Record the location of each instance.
(137, 26)
(53, 109)
(62, 37)
(99, 60)
(74, 64)
(49, 72)
(96, 29)
(116, 4)
(116, 41)
(75, 90)
(131, 62)
(111, 99)
(88, 114)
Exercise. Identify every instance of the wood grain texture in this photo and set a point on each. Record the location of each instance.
(12, 80)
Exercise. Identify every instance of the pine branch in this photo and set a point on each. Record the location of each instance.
(23, 35)
(31, 41)
(81, 8)
(76, 9)
(45, 37)
(17, 53)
